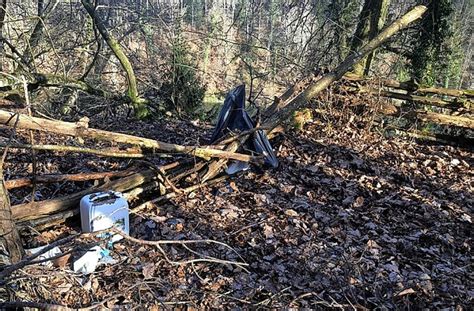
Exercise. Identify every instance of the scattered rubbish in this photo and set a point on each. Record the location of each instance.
(102, 210)
(94, 257)
(105, 257)
(89, 261)
(232, 117)
(49, 254)
(237, 166)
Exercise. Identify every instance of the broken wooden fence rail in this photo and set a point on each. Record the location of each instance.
(45, 222)
(455, 103)
(463, 121)
(411, 86)
(67, 206)
(133, 183)
(387, 109)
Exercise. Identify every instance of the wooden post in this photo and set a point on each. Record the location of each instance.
(11, 249)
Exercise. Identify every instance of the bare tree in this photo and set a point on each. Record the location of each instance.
(113, 44)
(3, 10)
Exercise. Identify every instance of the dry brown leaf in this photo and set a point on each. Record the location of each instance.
(268, 231)
(372, 244)
(148, 270)
(405, 292)
(353, 281)
(359, 202)
(233, 186)
(62, 261)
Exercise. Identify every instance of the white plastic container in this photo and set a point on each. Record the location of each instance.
(102, 210)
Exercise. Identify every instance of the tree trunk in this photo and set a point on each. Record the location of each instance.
(3, 11)
(36, 35)
(135, 98)
(11, 249)
(371, 21)
(432, 49)
(340, 13)
(285, 110)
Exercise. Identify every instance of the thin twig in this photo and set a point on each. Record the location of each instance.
(159, 243)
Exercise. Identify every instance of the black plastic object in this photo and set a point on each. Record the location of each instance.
(234, 118)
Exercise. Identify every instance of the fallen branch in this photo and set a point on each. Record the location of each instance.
(285, 110)
(26, 261)
(80, 129)
(59, 217)
(13, 305)
(428, 116)
(49, 221)
(54, 178)
(35, 210)
(434, 137)
(37, 80)
(60, 208)
(456, 140)
(412, 87)
(159, 244)
(424, 100)
(62, 148)
(50, 80)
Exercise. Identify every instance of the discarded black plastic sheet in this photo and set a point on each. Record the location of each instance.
(234, 118)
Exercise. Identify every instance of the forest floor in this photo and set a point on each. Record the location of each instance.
(350, 220)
